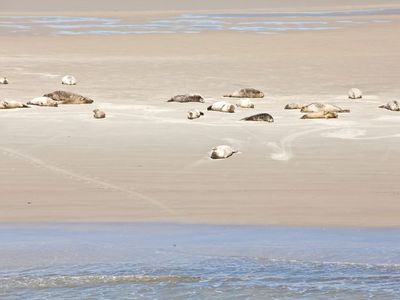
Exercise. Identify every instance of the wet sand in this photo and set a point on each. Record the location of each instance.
(147, 162)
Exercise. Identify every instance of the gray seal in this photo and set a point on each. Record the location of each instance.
(68, 98)
(187, 98)
(262, 117)
(246, 93)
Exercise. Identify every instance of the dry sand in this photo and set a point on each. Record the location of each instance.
(147, 162)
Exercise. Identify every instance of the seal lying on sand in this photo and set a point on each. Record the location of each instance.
(355, 94)
(43, 101)
(294, 106)
(263, 117)
(246, 93)
(98, 114)
(3, 80)
(68, 80)
(194, 114)
(68, 98)
(316, 107)
(320, 115)
(222, 106)
(245, 103)
(392, 105)
(12, 104)
(187, 98)
(222, 151)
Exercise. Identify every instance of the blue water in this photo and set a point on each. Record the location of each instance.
(167, 261)
(262, 22)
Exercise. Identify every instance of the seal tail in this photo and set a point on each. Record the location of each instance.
(228, 95)
(382, 106)
(209, 108)
(201, 113)
(25, 106)
(170, 100)
(345, 111)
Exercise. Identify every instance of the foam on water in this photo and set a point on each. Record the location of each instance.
(132, 261)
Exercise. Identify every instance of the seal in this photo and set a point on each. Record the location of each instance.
(43, 101)
(316, 107)
(263, 117)
(12, 104)
(294, 106)
(245, 103)
(246, 93)
(222, 106)
(68, 80)
(320, 115)
(222, 151)
(187, 98)
(98, 114)
(194, 114)
(4, 80)
(355, 93)
(392, 105)
(68, 98)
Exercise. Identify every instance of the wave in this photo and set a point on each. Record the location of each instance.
(60, 281)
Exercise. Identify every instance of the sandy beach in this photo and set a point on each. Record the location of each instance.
(147, 162)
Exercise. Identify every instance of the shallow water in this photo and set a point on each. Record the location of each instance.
(264, 22)
(166, 261)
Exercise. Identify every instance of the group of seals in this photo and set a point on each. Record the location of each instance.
(224, 151)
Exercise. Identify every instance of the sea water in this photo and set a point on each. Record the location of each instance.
(260, 22)
(183, 261)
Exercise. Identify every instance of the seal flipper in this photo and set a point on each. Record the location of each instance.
(209, 108)
(201, 113)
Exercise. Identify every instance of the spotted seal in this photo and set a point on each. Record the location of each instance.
(320, 115)
(43, 101)
(98, 114)
(245, 103)
(355, 93)
(246, 93)
(316, 107)
(187, 98)
(194, 114)
(262, 117)
(222, 151)
(68, 98)
(68, 80)
(222, 106)
(392, 105)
